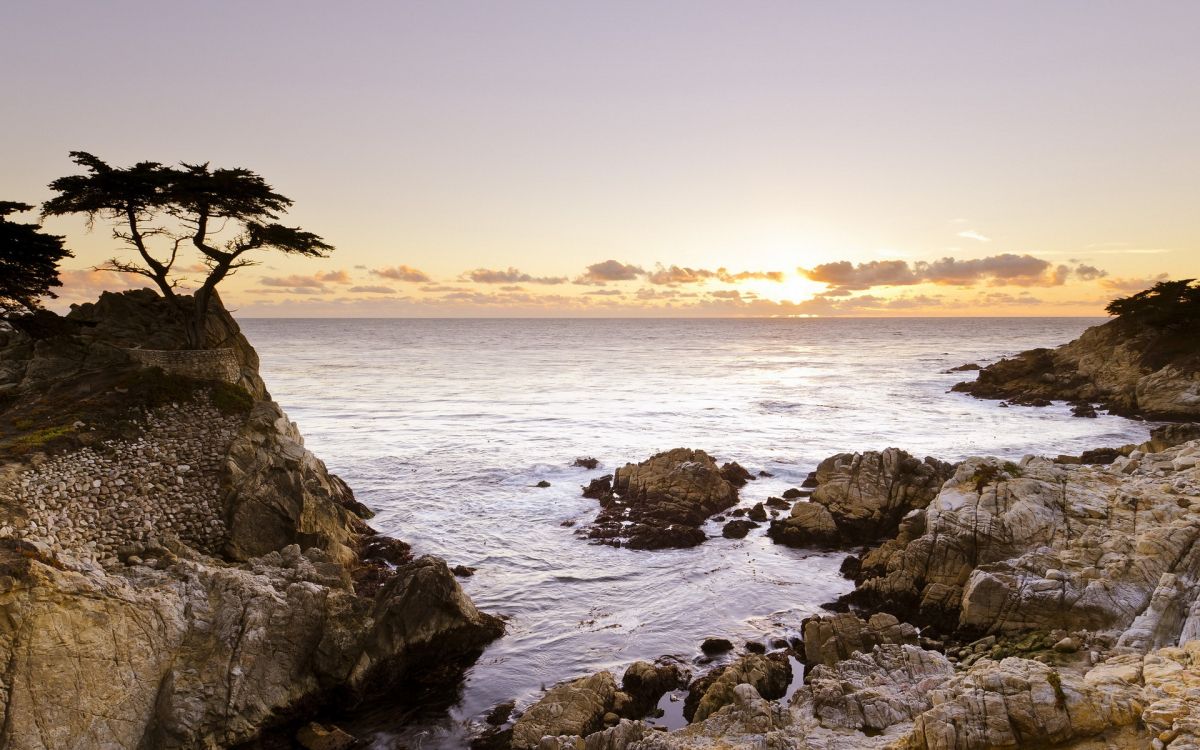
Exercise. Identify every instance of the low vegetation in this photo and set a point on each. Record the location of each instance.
(89, 411)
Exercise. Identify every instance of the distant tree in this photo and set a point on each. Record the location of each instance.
(1166, 304)
(29, 261)
(224, 214)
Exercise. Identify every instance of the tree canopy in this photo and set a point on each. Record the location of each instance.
(29, 261)
(1166, 304)
(224, 215)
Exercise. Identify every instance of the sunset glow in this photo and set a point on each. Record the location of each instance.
(533, 158)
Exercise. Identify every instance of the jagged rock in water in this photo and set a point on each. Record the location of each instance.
(769, 674)
(861, 497)
(573, 708)
(666, 498)
(645, 682)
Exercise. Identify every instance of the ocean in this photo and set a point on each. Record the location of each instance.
(444, 427)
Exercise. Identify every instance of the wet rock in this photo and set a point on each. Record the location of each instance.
(757, 513)
(970, 366)
(1099, 456)
(868, 493)
(645, 683)
(768, 674)
(500, 713)
(462, 571)
(735, 474)
(792, 493)
(809, 525)
(542, 484)
(586, 462)
(1085, 410)
(756, 647)
(777, 503)
(662, 501)
(714, 646)
(314, 736)
(737, 529)
(599, 488)
(573, 708)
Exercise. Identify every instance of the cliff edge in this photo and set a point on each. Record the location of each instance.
(176, 568)
(1129, 367)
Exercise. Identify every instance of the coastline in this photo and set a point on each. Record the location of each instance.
(869, 673)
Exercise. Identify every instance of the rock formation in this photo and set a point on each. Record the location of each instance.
(1129, 368)
(1007, 548)
(175, 561)
(861, 497)
(662, 501)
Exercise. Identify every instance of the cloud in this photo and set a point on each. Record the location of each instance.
(971, 234)
(334, 277)
(509, 276)
(672, 275)
(371, 289)
(1089, 273)
(438, 288)
(605, 292)
(402, 273)
(845, 275)
(85, 285)
(295, 280)
(609, 270)
(677, 275)
(733, 278)
(1006, 269)
(1132, 284)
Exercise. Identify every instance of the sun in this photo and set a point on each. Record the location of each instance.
(793, 288)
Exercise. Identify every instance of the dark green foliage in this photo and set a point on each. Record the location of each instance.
(222, 214)
(1167, 304)
(231, 399)
(29, 261)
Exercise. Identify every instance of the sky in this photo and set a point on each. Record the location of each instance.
(642, 158)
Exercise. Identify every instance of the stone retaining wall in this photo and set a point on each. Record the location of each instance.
(206, 364)
(93, 501)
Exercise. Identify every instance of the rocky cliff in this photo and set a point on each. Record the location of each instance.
(1132, 369)
(176, 568)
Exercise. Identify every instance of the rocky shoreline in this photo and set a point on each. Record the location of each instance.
(175, 560)
(1130, 368)
(176, 527)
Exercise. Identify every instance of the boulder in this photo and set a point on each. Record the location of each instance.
(809, 525)
(646, 682)
(662, 501)
(737, 529)
(770, 675)
(876, 689)
(829, 639)
(860, 498)
(573, 708)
